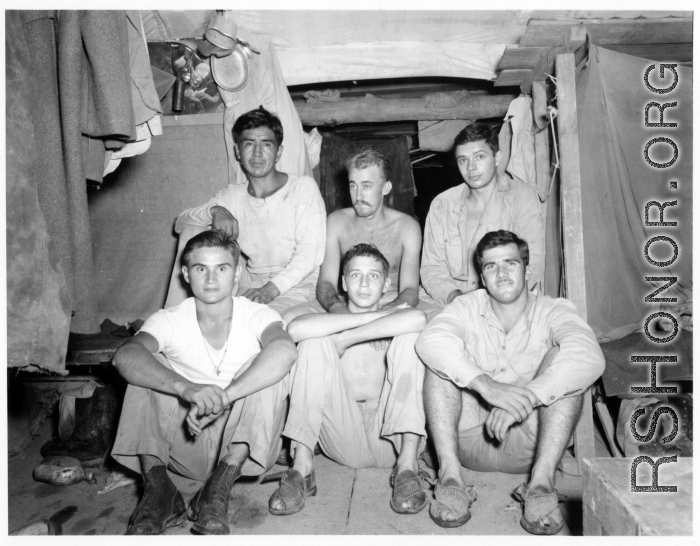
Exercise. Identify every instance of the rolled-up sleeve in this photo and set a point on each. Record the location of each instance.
(441, 345)
(434, 270)
(530, 227)
(201, 216)
(579, 362)
(309, 236)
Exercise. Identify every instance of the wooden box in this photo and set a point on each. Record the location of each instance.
(611, 508)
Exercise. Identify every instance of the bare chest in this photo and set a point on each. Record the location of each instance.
(387, 240)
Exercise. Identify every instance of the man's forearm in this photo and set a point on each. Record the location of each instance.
(322, 325)
(140, 368)
(409, 296)
(327, 296)
(400, 322)
(268, 368)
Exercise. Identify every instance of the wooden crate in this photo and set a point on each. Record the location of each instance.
(611, 508)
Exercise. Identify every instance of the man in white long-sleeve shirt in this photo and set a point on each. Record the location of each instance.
(509, 369)
(279, 220)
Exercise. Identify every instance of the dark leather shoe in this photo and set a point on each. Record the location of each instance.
(162, 505)
(209, 508)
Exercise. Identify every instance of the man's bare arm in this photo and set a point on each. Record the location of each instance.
(327, 296)
(322, 325)
(135, 362)
(327, 286)
(402, 321)
(409, 270)
(274, 361)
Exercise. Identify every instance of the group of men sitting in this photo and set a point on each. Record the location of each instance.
(270, 345)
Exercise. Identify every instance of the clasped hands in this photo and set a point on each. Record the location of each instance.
(207, 403)
(511, 404)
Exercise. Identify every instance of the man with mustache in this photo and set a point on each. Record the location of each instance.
(279, 220)
(460, 216)
(508, 370)
(395, 234)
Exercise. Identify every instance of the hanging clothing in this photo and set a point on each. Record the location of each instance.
(80, 103)
(521, 163)
(38, 300)
(265, 87)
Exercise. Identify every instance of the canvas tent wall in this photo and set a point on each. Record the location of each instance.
(312, 47)
(326, 46)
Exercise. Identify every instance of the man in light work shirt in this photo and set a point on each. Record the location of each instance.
(279, 220)
(460, 216)
(508, 372)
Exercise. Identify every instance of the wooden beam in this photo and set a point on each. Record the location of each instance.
(527, 57)
(521, 57)
(511, 77)
(678, 53)
(612, 31)
(542, 159)
(373, 109)
(572, 227)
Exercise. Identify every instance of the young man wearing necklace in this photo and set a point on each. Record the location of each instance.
(218, 363)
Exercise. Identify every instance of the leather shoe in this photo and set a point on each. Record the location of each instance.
(162, 505)
(209, 508)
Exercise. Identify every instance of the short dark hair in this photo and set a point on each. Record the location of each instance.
(214, 238)
(476, 132)
(260, 117)
(367, 158)
(366, 250)
(494, 239)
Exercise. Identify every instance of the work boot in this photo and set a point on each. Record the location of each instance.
(95, 420)
(209, 508)
(162, 504)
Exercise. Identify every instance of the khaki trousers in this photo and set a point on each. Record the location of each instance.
(355, 434)
(153, 423)
(479, 452)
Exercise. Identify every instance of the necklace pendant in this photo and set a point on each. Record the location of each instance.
(218, 372)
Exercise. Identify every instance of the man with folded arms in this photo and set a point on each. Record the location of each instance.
(217, 363)
(362, 406)
(508, 369)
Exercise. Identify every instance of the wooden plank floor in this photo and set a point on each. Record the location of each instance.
(349, 502)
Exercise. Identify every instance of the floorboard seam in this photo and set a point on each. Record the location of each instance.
(352, 491)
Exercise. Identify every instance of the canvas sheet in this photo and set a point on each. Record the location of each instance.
(337, 45)
(617, 182)
(132, 216)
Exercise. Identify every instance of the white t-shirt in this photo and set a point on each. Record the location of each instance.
(181, 341)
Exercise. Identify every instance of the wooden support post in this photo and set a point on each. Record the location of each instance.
(572, 227)
(542, 160)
